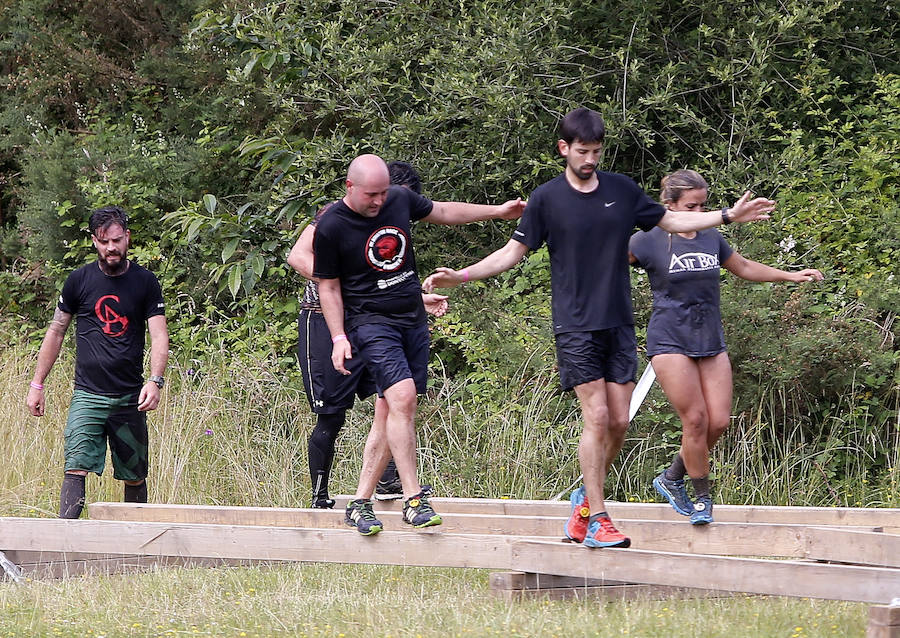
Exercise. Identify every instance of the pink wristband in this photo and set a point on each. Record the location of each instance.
(465, 274)
(36, 386)
(337, 338)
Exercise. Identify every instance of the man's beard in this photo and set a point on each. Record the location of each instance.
(114, 268)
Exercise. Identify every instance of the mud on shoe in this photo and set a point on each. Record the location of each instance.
(675, 493)
(576, 526)
(702, 514)
(417, 511)
(602, 533)
(359, 514)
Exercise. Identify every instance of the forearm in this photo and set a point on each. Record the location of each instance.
(453, 213)
(159, 355)
(755, 271)
(498, 261)
(332, 306)
(48, 354)
(301, 257)
(685, 222)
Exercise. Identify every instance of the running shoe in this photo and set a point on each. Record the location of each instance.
(322, 503)
(417, 511)
(576, 526)
(602, 533)
(389, 490)
(674, 492)
(359, 514)
(702, 514)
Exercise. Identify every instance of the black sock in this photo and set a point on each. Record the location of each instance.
(676, 471)
(701, 486)
(136, 493)
(71, 496)
(594, 517)
(390, 473)
(321, 451)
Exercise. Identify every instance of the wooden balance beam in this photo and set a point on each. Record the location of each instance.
(435, 548)
(839, 544)
(847, 516)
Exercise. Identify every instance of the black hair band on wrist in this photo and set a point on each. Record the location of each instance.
(725, 218)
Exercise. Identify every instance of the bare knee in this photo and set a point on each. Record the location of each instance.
(695, 423)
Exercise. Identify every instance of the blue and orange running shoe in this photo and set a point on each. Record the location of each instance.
(576, 526)
(602, 533)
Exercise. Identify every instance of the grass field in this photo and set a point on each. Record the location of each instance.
(349, 601)
(233, 432)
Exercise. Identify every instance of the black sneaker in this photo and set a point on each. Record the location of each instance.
(389, 490)
(359, 514)
(322, 503)
(417, 511)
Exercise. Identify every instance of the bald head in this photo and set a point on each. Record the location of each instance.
(368, 181)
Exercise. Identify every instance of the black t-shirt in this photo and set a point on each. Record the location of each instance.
(373, 258)
(587, 236)
(684, 277)
(111, 317)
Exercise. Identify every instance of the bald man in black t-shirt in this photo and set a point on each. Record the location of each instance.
(586, 217)
(371, 297)
(115, 301)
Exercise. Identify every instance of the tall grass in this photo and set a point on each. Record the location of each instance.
(232, 430)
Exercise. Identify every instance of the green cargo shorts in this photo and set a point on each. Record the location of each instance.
(95, 419)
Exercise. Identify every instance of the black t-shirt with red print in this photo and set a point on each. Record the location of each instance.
(111, 317)
(373, 258)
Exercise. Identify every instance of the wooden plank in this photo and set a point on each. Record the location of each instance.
(607, 593)
(431, 548)
(427, 548)
(885, 614)
(724, 539)
(847, 516)
(752, 575)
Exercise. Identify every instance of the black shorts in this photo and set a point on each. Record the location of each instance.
(609, 354)
(393, 353)
(327, 390)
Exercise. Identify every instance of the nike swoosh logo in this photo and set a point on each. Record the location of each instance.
(608, 204)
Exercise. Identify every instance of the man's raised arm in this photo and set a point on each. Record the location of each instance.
(455, 213)
(498, 261)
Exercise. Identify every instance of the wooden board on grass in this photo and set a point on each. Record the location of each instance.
(724, 539)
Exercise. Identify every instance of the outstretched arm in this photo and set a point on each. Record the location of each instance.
(498, 261)
(47, 355)
(454, 213)
(301, 257)
(333, 309)
(744, 210)
(755, 271)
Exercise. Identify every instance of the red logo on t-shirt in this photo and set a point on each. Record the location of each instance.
(114, 324)
(386, 249)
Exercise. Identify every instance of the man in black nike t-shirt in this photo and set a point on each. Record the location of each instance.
(115, 301)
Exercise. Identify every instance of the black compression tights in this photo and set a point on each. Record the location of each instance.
(321, 451)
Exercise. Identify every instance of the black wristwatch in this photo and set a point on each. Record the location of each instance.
(726, 218)
(159, 381)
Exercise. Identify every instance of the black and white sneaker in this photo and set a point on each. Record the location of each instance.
(389, 490)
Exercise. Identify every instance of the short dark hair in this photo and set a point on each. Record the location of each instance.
(403, 174)
(584, 125)
(103, 218)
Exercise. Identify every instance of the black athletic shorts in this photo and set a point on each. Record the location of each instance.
(393, 354)
(327, 390)
(609, 354)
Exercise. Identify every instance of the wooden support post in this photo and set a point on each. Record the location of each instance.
(884, 622)
(524, 585)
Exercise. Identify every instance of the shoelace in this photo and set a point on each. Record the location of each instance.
(607, 526)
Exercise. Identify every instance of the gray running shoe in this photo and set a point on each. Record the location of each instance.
(674, 492)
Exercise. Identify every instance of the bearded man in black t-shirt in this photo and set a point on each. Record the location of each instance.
(371, 297)
(115, 301)
(586, 217)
